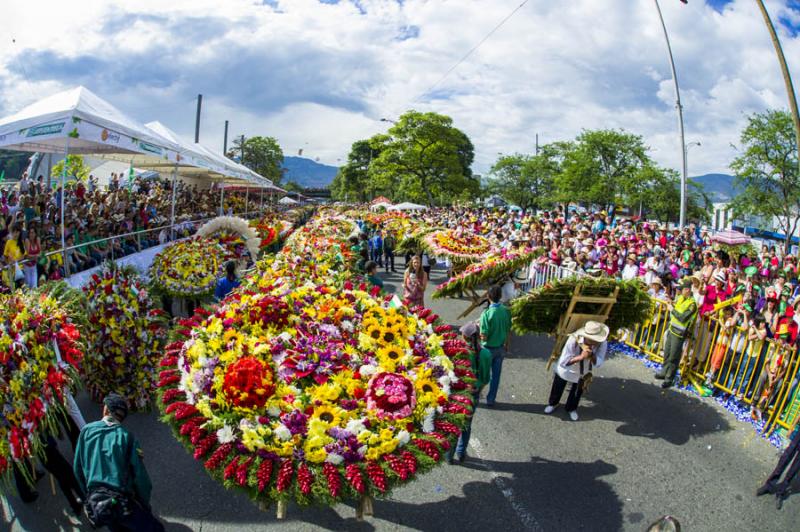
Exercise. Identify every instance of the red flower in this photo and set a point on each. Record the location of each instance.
(248, 383)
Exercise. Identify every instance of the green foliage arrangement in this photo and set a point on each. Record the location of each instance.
(540, 310)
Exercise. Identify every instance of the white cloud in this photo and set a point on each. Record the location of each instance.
(320, 76)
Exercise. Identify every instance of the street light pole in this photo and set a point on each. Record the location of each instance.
(679, 106)
(787, 78)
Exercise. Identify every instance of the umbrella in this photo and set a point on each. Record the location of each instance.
(732, 238)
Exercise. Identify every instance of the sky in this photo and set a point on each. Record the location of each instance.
(320, 74)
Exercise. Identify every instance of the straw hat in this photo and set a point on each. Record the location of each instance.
(594, 331)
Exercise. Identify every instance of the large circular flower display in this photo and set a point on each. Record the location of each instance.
(126, 337)
(303, 386)
(34, 333)
(188, 268)
(459, 246)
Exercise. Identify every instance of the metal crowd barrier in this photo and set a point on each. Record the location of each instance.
(732, 361)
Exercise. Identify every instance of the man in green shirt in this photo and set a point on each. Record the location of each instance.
(109, 469)
(495, 327)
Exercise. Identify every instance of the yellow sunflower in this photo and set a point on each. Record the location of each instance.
(328, 414)
(427, 389)
(390, 356)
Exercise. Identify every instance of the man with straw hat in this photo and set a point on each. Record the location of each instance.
(682, 314)
(585, 349)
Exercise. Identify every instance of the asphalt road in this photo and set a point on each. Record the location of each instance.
(636, 453)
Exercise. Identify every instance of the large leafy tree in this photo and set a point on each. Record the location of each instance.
(659, 195)
(601, 167)
(355, 181)
(525, 180)
(427, 158)
(263, 155)
(767, 171)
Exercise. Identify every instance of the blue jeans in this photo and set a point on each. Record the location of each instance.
(463, 439)
(498, 354)
(742, 376)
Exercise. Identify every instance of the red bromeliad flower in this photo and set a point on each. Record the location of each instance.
(248, 383)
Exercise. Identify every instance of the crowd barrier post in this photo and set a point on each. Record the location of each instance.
(63, 195)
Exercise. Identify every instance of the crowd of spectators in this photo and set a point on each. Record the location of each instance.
(30, 222)
(763, 283)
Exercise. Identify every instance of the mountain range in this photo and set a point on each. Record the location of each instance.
(719, 187)
(308, 173)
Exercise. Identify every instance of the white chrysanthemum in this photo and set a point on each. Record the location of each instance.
(367, 370)
(225, 434)
(403, 437)
(283, 432)
(356, 426)
(427, 424)
(334, 459)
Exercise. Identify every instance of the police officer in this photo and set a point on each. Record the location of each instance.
(682, 315)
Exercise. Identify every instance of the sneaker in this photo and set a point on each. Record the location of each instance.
(667, 384)
(763, 490)
(573, 415)
(461, 457)
(549, 409)
(779, 497)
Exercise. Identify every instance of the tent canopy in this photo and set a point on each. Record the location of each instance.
(286, 200)
(84, 123)
(732, 238)
(376, 206)
(197, 156)
(408, 207)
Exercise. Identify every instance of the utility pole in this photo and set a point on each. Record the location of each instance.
(787, 78)
(679, 107)
(225, 141)
(241, 147)
(197, 119)
(537, 144)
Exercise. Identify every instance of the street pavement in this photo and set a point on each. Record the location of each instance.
(636, 453)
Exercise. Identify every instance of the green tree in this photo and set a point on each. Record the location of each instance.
(76, 168)
(767, 171)
(525, 180)
(426, 159)
(263, 155)
(659, 195)
(601, 168)
(355, 181)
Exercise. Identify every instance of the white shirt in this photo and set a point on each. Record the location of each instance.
(630, 271)
(572, 349)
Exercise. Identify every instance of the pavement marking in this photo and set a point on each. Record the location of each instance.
(527, 519)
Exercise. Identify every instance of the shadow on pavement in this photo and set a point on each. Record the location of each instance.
(643, 410)
(544, 494)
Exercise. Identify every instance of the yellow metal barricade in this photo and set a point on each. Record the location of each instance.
(731, 360)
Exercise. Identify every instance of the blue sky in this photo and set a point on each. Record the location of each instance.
(319, 74)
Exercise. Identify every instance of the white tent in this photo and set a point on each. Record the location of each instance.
(286, 200)
(408, 207)
(381, 205)
(78, 121)
(197, 159)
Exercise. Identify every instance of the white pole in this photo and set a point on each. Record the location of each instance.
(246, 199)
(222, 198)
(679, 106)
(261, 200)
(172, 213)
(63, 194)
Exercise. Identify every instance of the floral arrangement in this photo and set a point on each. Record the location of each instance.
(126, 337)
(234, 234)
(539, 311)
(271, 229)
(306, 387)
(40, 355)
(413, 239)
(459, 246)
(496, 266)
(188, 268)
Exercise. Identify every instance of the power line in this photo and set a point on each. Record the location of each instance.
(471, 51)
